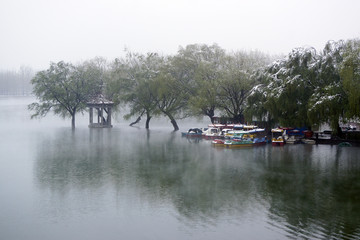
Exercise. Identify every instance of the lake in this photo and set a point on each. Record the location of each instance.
(130, 183)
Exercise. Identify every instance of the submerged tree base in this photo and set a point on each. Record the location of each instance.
(136, 121)
(174, 123)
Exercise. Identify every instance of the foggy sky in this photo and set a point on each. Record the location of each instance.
(37, 32)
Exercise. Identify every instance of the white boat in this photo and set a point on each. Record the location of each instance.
(212, 132)
(277, 138)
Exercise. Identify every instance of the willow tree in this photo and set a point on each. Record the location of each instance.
(198, 69)
(131, 82)
(328, 102)
(337, 98)
(350, 77)
(309, 88)
(291, 85)
(94, 72)
(234, 90)
(234, 86)
(256, 101)
(171, 96)
(62, 88)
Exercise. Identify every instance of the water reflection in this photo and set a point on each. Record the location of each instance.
(109, 183)
(73, 159)
(312, 193)
(159, 167)
(305, 191)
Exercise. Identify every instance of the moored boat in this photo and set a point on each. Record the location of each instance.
(277, 138)
(292, 140)
(212, 133)
(218, 142)
(227, 132)
(259, 141)
(193, 132)
(254, 137)
(238, 142)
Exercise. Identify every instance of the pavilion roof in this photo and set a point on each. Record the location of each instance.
(100, 99)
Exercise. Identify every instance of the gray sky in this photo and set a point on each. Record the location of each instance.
(37, 32)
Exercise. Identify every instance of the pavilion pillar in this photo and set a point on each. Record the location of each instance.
(98, 115)
(109, 116)
(102, 108)
(91, 116)
(102, 116)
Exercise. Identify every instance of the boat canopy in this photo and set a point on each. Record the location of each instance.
(277, 130)
(195, 130)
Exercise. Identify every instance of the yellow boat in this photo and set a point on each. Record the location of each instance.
(277, 138)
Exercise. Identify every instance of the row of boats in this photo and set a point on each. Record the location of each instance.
(230, 136)
(234, 136)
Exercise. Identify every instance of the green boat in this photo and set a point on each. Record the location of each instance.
(250, 138)
(235, 143)
(241, 139)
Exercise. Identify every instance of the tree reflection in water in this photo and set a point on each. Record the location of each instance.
(303, 191)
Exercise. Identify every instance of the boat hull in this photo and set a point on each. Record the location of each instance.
(238, 143)
(278, 143)
(218, 143)
(244, 145)
(191, 135)
(259, 143)
(210, 137)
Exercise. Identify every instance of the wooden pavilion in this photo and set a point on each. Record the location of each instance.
(102, 108)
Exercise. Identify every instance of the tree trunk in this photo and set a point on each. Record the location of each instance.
(148, 118)
(210, 113)
(73, 121)
(335, 126)
(137, 120)
(239, 118)
(173, 122)
(211, 119)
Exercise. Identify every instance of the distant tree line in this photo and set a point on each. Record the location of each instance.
(304, 88)
(16, 82)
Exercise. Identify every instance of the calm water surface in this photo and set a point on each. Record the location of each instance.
(129, 183)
